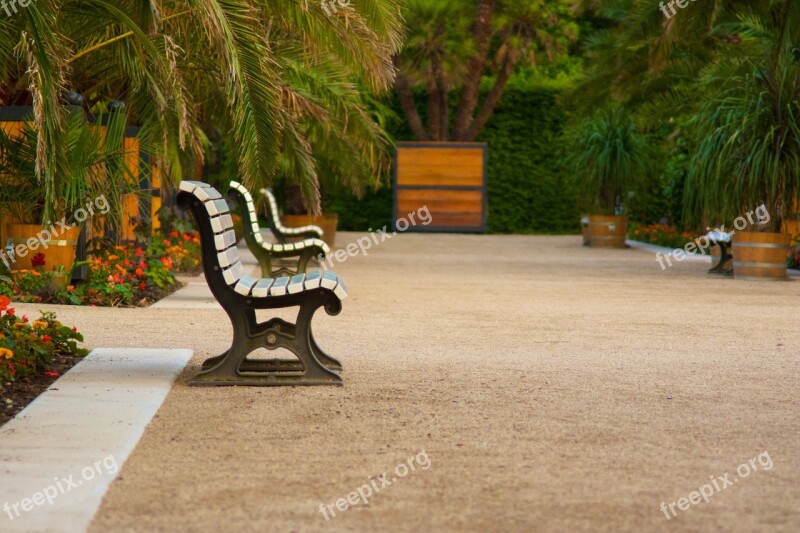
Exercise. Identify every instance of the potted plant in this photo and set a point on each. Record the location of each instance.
(747, 159)
(609, 158)
(46, 212)
(296, 215)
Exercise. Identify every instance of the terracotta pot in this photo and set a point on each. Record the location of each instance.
(608, 231)
(58, 250)
(760, 256)
(328, 223)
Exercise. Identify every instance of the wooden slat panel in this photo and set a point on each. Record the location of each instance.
(441, 166)
(455, 175)
(447, 208)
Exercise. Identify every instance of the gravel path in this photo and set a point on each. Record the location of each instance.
(546, 386)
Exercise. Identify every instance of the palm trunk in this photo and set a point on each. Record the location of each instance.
(406, 97)
(511, 60)
(475, 68)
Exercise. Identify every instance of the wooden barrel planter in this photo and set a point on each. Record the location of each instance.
(328, 223)
(12, 122)
(760, 256)
(608, 231)
(58, 253)
(447, 178)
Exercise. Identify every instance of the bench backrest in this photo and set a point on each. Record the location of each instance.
(220, 257)
(252, 230)
(275, 218)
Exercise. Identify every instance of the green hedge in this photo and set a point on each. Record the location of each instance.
(528, 192)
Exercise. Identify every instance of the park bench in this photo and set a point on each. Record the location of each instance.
(240, 295)
(723, 240)
(269, 255)
(280, 231)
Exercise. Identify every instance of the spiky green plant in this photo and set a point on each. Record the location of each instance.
(94, 166)
(608, 157)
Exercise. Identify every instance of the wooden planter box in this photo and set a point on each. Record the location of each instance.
(448, 178)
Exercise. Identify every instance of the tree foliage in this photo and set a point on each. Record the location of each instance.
(279, 76)
(453, 46)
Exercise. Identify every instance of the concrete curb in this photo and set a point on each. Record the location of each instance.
(61, 453)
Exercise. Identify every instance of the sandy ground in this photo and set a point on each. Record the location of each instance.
(549, 387)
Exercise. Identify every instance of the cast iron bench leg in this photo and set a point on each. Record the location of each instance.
(232, 367)
(724, 257)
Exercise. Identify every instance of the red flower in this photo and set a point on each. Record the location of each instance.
(24, 319)
(37, 260)
(4, 302)
(51, 374)
(46, 338)
(173, 234)
(11, 311)
(167, 261)
(143, 286)
(71, 288)
(167, 243)
(139, 252)
(74, 329)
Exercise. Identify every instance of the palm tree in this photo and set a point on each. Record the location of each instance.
(722, 75)
(453, 48)
(282, 77)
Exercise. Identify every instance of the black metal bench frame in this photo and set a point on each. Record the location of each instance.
(724, 257)
(312, 367)
(265, 253)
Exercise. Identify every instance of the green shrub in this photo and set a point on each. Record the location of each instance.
(528, 191)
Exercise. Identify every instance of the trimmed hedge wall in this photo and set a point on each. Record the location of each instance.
(528, 192)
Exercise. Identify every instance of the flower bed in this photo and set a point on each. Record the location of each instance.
(117, 275)
(660, 235)
(32, 355)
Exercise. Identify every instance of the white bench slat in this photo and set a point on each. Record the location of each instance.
(719, 236)
(221, 223)
(244, 285)
(341, 289)
(296, 283)
(261, 289)
(259, 238)
(216, 207)
(190, 186)
(228, 257)
(279, 286)
(313, 278)
(233, 273)
(205, 194)
(329, 280)
(225, 240)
